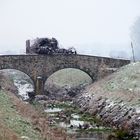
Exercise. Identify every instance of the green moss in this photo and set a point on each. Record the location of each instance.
(88, 118)
(123, 135)
(95, 130)
(61, 105)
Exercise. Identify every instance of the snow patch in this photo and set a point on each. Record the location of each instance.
(23, 89)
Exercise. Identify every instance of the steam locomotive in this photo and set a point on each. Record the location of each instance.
(47, 46)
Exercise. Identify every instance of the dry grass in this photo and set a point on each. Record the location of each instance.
(6, 83)
(7, 134)
(38, 120)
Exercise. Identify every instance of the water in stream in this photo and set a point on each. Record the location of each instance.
(65, 116)
(76, 123)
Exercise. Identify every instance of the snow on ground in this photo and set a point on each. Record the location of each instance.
(23, 89)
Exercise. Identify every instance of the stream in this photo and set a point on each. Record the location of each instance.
(67, 116)
(82, 126)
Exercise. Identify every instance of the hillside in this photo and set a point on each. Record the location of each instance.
(121, 85)
(115, 100)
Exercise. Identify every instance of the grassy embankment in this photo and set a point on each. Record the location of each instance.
(13, 122)
(19, 120)
(123, 85)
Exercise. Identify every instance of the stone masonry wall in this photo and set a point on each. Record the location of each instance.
(43, 66)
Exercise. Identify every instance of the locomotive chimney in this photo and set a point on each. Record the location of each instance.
(27, 46)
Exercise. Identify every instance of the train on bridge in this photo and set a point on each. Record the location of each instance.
(47, 46)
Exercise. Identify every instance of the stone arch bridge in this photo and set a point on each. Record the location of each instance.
(40, 67)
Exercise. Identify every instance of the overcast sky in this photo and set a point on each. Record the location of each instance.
(94, 25)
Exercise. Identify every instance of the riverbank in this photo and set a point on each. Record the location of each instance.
(115, 100)
(22, 121)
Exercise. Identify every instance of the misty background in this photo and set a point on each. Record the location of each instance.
(95, 27)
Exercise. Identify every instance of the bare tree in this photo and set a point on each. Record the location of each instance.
(133, 54)
(135, 36)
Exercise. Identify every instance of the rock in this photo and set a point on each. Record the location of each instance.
(65, 93)
(86, 126)
(31, 95)
(44, 103)
(41, 97)
(25, 138)
(115, 114)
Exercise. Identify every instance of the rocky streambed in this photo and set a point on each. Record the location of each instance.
(66, 115)
(76, 123)
(88, 117)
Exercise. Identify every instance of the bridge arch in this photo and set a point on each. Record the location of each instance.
(71, 72)
(20, 80)
(21, 67)
(91, 74)
(22, 71)
(66, 78)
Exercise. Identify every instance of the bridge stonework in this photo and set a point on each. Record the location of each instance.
(40, 67)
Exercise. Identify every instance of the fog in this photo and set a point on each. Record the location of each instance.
(95, 27)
